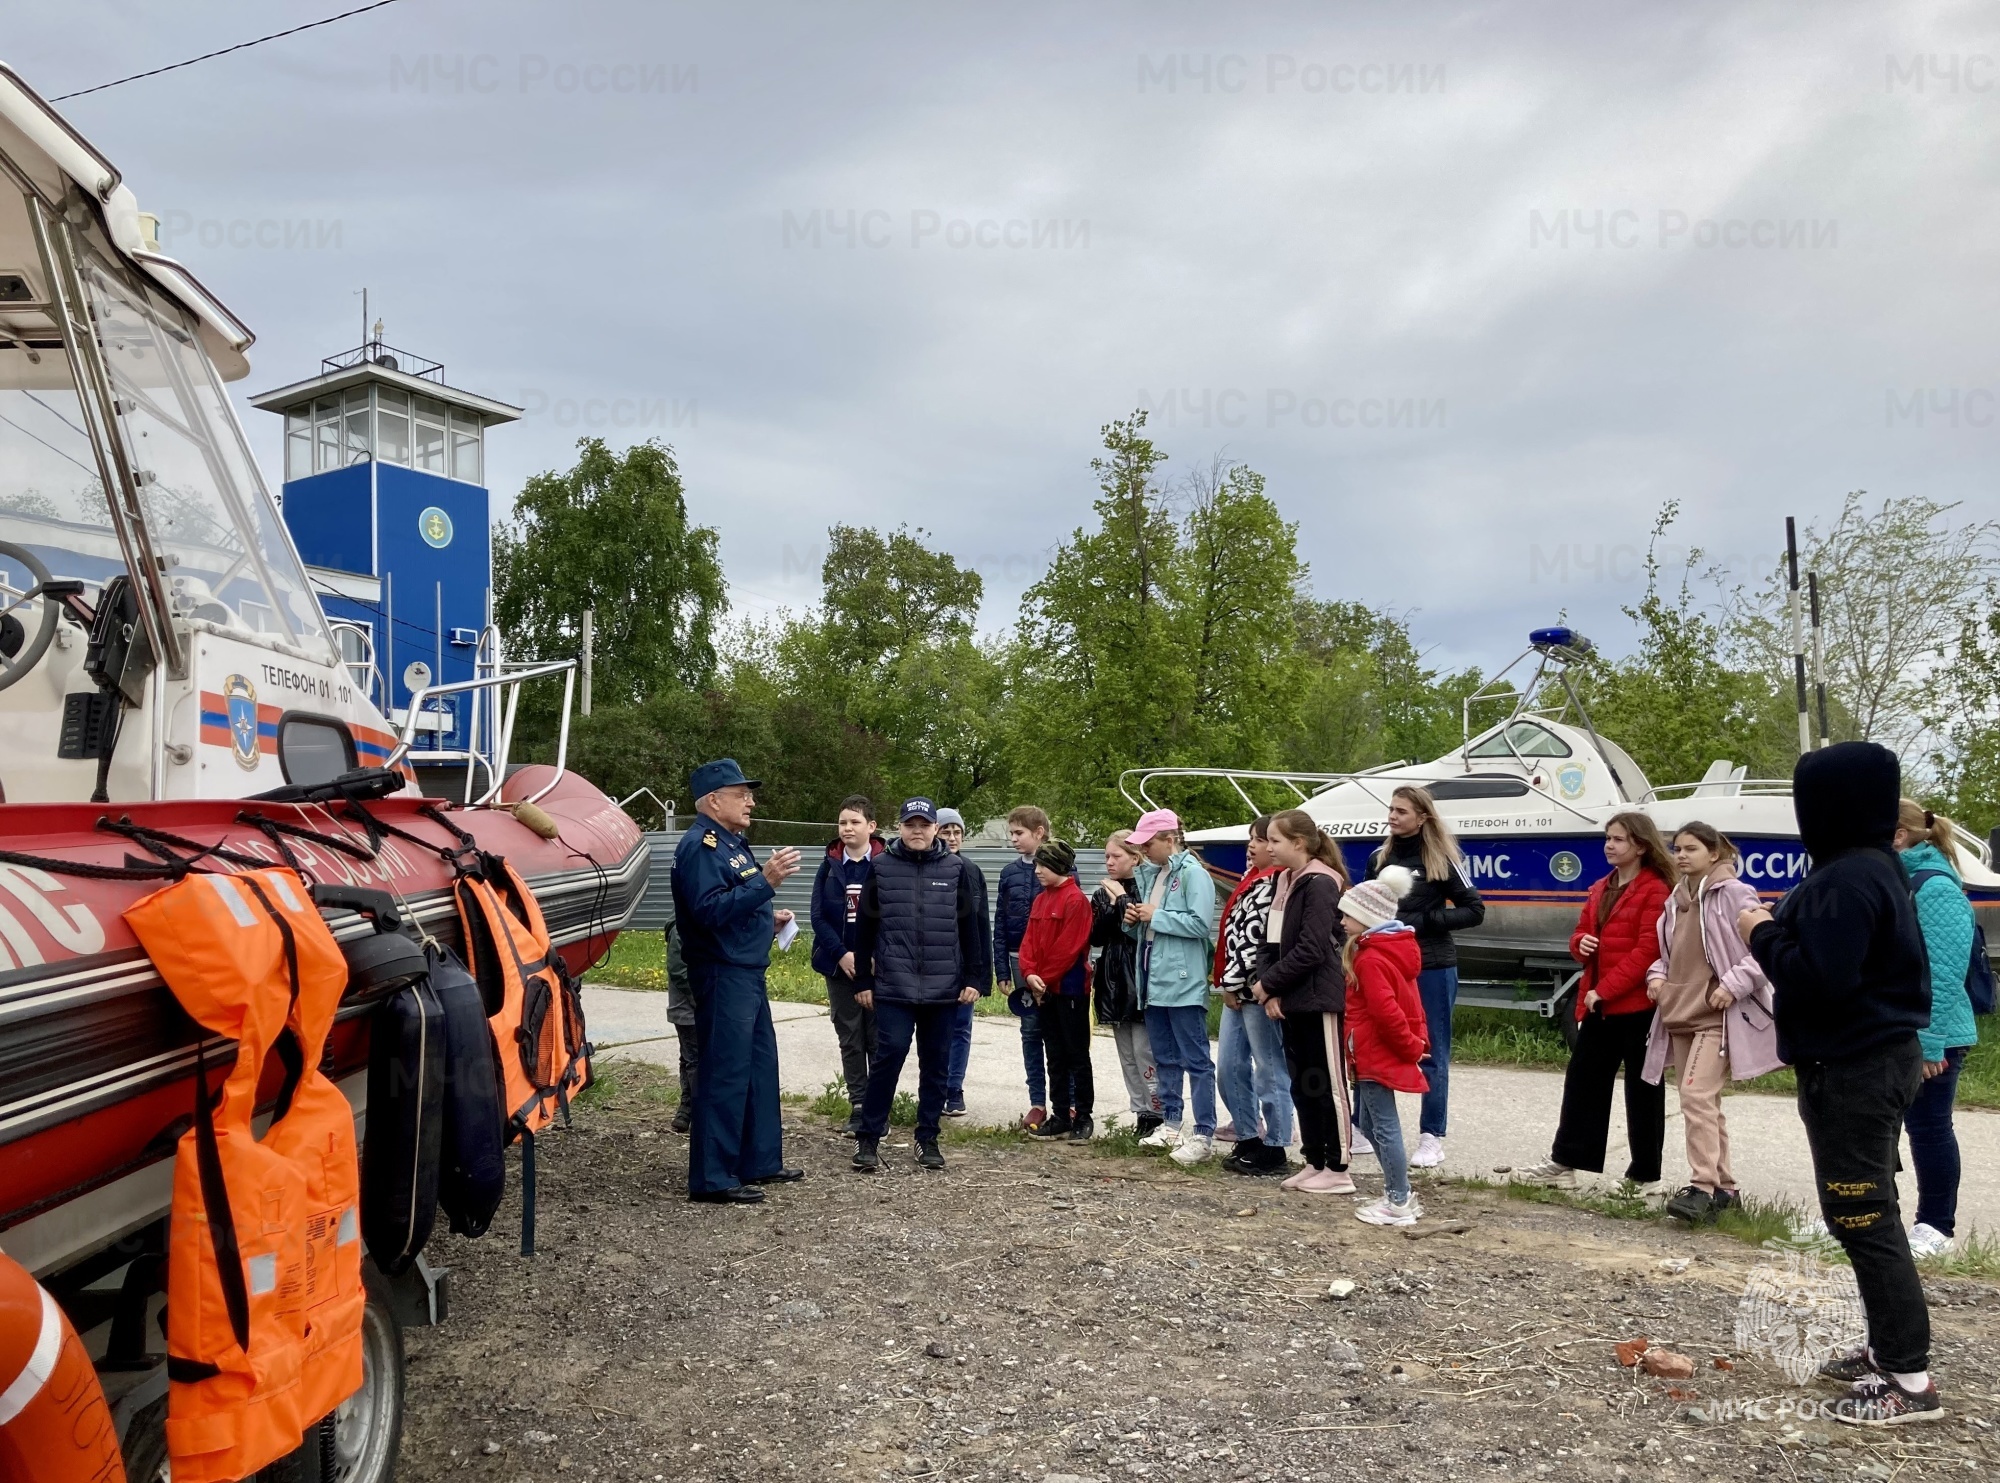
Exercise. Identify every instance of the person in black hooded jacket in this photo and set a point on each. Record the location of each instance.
(1851, 987)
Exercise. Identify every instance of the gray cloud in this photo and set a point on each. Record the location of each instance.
(1460, 309)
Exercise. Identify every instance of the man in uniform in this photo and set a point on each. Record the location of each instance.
(723, 912)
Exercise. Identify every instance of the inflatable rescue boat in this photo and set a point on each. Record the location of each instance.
(176, 708)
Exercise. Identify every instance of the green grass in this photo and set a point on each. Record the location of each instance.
(1480, 1036)
(832, 1103)
(638, 960)
(1512, 1037)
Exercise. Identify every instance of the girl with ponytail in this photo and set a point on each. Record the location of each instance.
(1929, 853)
(1441, 901)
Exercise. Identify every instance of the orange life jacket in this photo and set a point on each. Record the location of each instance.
(317, 1134)
(54, 1425)
(531, 1004)
(261, 1326)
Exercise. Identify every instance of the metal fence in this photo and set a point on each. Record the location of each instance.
(656, 907)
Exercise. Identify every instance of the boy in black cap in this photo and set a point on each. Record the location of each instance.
(919, 953)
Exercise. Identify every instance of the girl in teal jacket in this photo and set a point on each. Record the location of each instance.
(1174, 922)
(1925, 845)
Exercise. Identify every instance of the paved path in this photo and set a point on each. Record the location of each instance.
(1500, 1117)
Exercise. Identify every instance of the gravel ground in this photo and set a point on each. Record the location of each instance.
(1059, 1314)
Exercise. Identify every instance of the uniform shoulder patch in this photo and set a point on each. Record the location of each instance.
(709, 839)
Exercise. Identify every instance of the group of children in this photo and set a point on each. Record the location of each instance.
(1322, 1024)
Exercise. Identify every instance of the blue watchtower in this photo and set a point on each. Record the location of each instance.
(385, 496)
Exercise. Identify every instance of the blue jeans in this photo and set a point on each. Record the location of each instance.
(1034, 1058)
(1250, 1071)
(1180, 1044)
(1375, 1115)
(1934, 1146)
(961, 1056)
(1438, 988)
(896, 1024)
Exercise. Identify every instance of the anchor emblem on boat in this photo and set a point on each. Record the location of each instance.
(240, 698)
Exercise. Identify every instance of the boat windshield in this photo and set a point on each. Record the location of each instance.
(51, 500)
(1520, 739)
(229, 566)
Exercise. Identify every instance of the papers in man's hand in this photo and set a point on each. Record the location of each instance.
(788, 934)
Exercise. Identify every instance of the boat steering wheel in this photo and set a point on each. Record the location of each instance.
(29, 652)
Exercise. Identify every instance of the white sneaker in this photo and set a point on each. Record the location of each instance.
(1548, 1174)
(1362, 1148)
(1430, 1152)
(1161, 1137)
(1928, 1241)
(1194, 1148)
(1388, 1212)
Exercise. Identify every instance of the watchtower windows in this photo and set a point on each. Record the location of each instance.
(326, 434)
(429, 440)
(298, 443)
(392, 425)
(465, 448)
(360, 445)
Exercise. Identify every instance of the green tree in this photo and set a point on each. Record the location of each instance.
(1367, 695)
(612, 534)
(1963, 720)
(884, 595)
(1676, 703)
(1156, 640)
(1896, 583)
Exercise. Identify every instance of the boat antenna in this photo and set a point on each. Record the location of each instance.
(1818, 658)
(1798, 632)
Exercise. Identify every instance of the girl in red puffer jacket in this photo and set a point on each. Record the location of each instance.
(1386, 1031)
(1616, 941)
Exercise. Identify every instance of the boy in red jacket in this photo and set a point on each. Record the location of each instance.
(1055, 965)
(1385, 1031)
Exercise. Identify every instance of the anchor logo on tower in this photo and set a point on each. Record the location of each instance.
(435, 527)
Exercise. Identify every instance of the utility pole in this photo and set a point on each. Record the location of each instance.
(1798, 634)
(1819, 659)
(589, 634)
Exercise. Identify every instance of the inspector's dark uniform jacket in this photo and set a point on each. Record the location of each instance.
(724, 913)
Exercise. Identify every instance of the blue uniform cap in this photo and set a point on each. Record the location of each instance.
(919, 808)
(721, 774)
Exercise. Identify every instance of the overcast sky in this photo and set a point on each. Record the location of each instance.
(882, 263)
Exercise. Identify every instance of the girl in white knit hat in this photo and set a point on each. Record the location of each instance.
(1385, 1030)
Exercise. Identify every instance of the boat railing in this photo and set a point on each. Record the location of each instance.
(664, 805)
(496, 699)
(1720, 788)
(1316, 782)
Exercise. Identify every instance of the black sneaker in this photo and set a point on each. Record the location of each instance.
(1724, 1199)
(1054, 1127)
(683, 1117)
(1877, 1400)
(954, 1107)
(853, 1128)
(866, 1159)
(1148, 1121)
(1255, 1156)
(1693, 1205)
(1082, 1130)
(1848, 1366)
(929, 1156)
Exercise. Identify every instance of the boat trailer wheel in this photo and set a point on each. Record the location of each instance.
(28, 649)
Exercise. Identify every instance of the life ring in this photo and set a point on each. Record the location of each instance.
(54, 1424)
